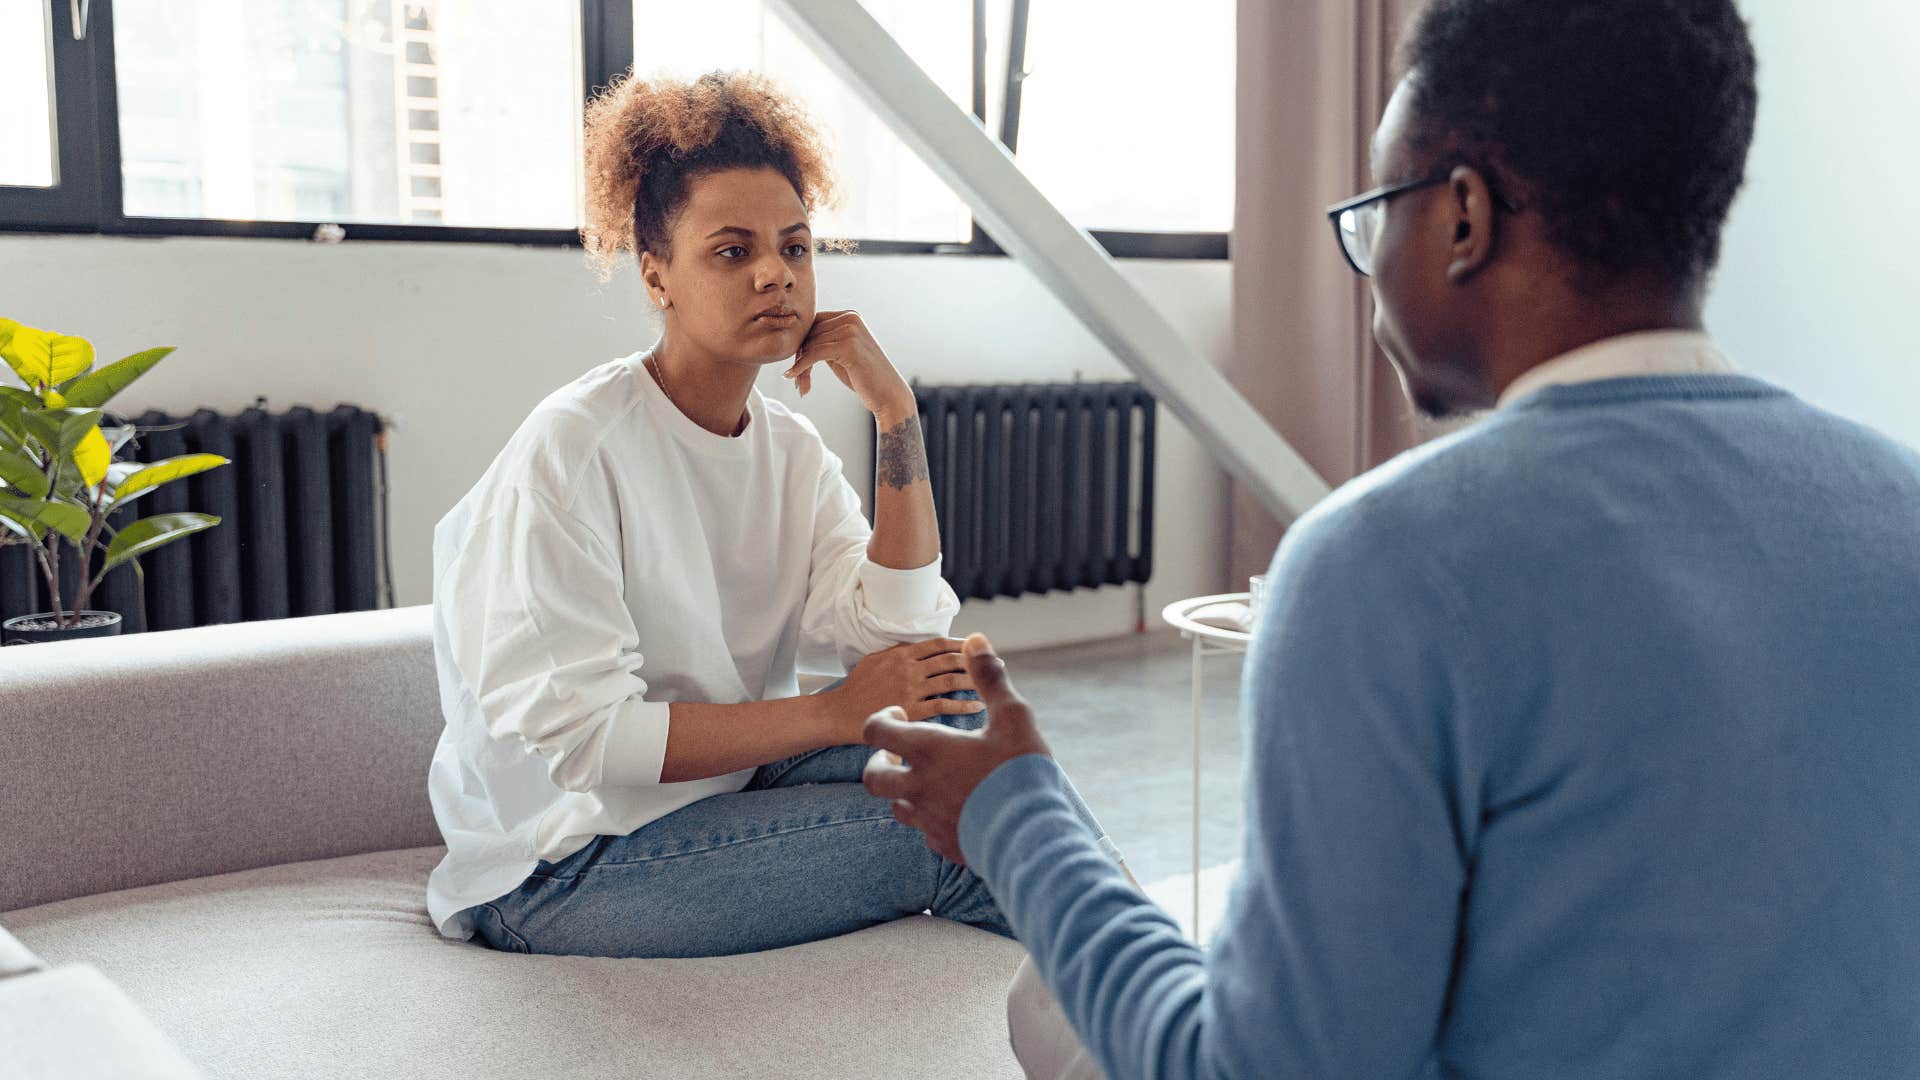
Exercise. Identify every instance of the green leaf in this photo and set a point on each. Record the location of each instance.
(10, 423)
(29, 529)
(68, 485)
(97, 389)
(22, 474)
(151, 532)
(42, 357)
(162, 472)
(19, 505)
(13, 403)
(74, 427)
(33, 514)
(43, 428)
(62, 431)
(66, 519)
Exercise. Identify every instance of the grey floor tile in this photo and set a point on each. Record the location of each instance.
(1118, 715)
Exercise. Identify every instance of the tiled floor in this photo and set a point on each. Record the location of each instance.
(1118, 715)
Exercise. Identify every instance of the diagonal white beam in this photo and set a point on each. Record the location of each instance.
(1067, 260)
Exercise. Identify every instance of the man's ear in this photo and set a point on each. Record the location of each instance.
(1470, 202)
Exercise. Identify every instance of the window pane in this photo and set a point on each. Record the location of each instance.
(1127, 112)
(462, 112)
(26, 116)
(886, 192)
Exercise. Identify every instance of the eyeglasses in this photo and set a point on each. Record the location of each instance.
(1356, 222)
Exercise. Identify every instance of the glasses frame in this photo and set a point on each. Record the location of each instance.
(1380, 194)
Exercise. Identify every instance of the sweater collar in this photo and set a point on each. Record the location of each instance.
(1657, 352)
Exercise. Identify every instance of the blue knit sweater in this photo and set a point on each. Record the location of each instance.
(1583, 743)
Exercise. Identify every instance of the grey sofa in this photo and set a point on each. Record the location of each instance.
(230, 824)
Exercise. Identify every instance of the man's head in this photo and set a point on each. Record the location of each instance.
(1584, 153)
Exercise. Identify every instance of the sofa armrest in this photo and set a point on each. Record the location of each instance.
(158, 757)
(71, 1023)
(15, 958)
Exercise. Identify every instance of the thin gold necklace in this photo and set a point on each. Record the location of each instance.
(659, 374)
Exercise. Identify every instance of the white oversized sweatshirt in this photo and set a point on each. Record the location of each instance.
(615, 557)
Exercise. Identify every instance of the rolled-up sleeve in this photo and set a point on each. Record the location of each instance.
(855, 606)
(537, 621)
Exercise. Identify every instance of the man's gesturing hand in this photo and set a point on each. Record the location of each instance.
(943, 766)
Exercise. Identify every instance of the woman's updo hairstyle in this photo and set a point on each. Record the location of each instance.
(647, 139)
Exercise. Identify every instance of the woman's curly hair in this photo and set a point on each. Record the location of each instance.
(647, 139)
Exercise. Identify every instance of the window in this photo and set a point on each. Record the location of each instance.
(460, 119)
(1126, 114)
(26, 102)
(886, 192)
(463, 112)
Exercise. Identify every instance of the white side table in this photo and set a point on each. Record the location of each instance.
(1207, 641)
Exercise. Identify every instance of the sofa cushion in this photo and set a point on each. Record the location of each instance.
(331, 968)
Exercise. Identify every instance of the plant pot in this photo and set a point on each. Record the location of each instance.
(35, 629)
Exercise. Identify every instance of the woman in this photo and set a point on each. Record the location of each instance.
(621, 602)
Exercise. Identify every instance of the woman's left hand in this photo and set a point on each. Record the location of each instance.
(841, 340)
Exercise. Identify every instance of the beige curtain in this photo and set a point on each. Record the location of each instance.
(1313, 78)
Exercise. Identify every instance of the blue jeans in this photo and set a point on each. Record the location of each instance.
(801, 853)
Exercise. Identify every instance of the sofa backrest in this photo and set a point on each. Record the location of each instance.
(163, 756)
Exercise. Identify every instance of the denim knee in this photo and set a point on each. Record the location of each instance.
(965, 721)
(492, 930)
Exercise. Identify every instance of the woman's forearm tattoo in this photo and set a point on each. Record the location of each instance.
(903, 455)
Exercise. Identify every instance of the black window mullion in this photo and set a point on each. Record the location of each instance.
(1016, 75)
(982, 244)
(606, 41)
(1119, 243)
(978, 242)
(1163, 245)
(106, 81)
(980, 61)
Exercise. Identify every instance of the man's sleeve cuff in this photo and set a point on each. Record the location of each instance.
(985, 813)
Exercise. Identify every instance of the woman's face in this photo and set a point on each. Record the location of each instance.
(739, 283)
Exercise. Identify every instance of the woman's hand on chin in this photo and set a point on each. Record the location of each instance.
(911, 676)
(841, 340)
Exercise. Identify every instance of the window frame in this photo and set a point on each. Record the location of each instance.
(73, 203)
(88, 196)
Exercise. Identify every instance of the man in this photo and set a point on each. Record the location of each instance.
(1582, 743)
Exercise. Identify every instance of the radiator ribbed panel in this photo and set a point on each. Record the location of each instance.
(1040, 488)
(300, 533)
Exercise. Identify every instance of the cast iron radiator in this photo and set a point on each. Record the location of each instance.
(303, 529)
(1041, 487)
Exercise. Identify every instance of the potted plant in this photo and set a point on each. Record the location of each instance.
(59, 479)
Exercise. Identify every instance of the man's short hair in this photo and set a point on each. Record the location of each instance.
(1624, 123)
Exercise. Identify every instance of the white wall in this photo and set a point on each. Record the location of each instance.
(1820, 281)
(457, 342)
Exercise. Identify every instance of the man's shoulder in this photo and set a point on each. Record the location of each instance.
(1425, 486)
(1439, 509)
